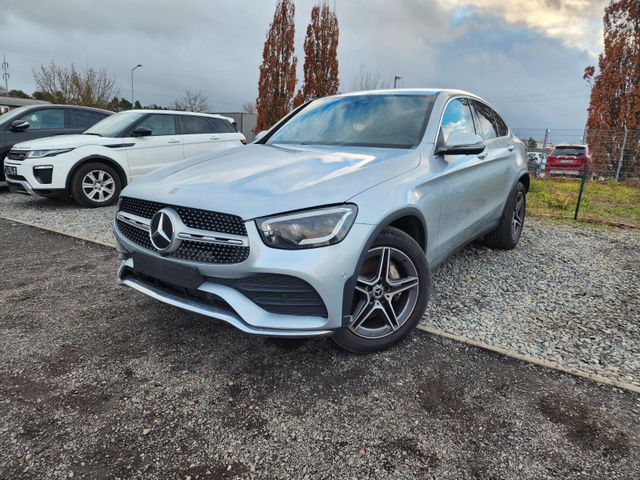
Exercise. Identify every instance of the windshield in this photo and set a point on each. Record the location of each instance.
(571, 151)
(114, 124)
(389, 121)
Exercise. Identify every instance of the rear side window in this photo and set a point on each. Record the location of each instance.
(159, 124)
(192, 125)
(486, 120)
(503, 130)
(41, 119)
(84, 119)
(457, 117)
(222, 126)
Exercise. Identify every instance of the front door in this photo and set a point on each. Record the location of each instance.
(162, 147)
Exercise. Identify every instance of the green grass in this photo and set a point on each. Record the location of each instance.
(602, 202)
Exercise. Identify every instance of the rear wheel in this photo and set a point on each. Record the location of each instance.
(95, 185)
(390, 296)
(509, 230)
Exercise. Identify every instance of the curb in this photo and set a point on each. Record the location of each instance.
(533, 360)
(59, 232)
(432, 331)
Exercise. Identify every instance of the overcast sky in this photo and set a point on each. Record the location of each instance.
(526, 57)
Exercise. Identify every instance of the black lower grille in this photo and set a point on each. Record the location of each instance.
(192, 217)
(282, 294)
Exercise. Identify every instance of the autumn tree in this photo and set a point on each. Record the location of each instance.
(192, 102)
(320, 55)
(615, 95)
(91, 87)
(278, 70)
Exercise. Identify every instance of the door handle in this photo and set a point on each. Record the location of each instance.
(173, 141)
(214, 137)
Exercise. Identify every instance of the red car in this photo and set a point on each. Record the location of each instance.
(569, 160)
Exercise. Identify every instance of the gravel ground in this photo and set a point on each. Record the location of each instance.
(98, 381)
(566, 294)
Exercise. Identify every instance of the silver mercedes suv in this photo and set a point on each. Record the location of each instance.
(330, 222)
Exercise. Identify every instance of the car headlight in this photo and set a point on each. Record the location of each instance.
(47, 153)
(307, 229)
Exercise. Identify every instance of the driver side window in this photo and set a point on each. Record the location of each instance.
(457, 117)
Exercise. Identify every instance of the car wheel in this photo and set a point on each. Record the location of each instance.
(390, 296)
(509, 230)
(95, 185)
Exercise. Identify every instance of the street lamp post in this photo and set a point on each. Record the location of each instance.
(132, 98)
(395, 80)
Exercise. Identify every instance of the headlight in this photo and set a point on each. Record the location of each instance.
(308, 229)
(47, 153)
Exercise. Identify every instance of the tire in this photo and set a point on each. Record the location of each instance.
(95, 185)
(507, 235)
(402, 294)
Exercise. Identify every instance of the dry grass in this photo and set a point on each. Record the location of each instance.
(602, 202)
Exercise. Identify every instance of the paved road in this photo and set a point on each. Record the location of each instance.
(97, 381)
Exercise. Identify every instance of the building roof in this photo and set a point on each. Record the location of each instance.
(19, 102)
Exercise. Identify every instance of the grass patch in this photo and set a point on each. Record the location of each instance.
(602, 202)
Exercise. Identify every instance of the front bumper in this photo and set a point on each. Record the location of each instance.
(36, 177)
(328, 270)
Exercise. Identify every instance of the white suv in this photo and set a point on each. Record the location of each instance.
(94, 167)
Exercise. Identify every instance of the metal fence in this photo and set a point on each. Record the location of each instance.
(605, 191)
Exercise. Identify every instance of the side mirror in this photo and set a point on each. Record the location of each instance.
(260, 135)
(141, 132)
(19, 125)
(462, 143)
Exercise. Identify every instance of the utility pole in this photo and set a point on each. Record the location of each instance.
(395, 80)
(546, 139)
(132, 98)
(5, 74)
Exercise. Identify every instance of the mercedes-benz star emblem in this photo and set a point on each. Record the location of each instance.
(162, 231)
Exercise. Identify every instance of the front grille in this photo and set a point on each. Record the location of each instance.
(136, 235)
(16, 155)
(191, 217)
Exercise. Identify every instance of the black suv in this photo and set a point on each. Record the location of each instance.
(38, 121)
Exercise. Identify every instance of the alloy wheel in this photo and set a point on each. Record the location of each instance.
(98, 186)
(387, 290)
(518, 215)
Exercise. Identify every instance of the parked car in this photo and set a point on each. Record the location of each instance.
(94, 167)
(330, 223)
(569, 160)
(38, 121)
(536, 162)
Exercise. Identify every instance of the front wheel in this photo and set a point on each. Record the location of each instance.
(391, 294)
(95, 185)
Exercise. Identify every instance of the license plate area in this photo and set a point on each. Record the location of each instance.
(566, 160)
(10, 170)
(167, 272)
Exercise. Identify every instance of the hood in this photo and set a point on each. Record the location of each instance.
(66, 141)
(259, 180)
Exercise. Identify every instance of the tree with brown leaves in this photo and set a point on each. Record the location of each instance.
(277, 81)
(321, 55)
(615, 96)
(91, 88)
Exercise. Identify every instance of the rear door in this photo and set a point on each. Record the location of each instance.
(498, 161)
(232, 138)
(80, 120)
(200, 136)
(162, 147)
